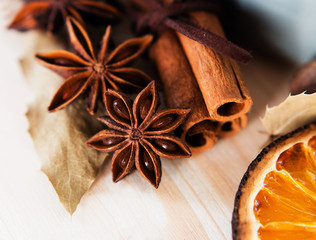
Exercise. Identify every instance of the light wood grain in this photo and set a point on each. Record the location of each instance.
(195, 197)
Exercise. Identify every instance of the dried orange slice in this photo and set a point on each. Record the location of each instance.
(276, 198)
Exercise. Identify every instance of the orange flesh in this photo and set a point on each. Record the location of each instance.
(286, 205)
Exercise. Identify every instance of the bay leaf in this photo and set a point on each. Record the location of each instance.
(293, 112)
(59, 138)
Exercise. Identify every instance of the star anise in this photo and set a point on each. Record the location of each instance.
(51, 14)
(138, 134)
(88, 73)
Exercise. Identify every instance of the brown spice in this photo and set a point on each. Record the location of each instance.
(159, 17)
(51, 14)
(199, 130)
(182, 91)
(138, 134)
(224, 91)
(226, 129)
(89, 73)
(220, 109)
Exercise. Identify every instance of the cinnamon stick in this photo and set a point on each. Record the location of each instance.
(219, 98)
(226, 129)
(224, 91)
(182, 91)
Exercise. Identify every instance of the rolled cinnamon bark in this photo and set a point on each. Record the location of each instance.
(224, 91)
(182, 91)
(226, 129)
(219, 98)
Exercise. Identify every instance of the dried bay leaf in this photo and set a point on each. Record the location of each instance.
(294, 112)
(59, 138)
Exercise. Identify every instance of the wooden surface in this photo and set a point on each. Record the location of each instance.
(195, 197)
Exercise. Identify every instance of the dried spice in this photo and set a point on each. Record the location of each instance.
(171, 14)
(59, 139)
(198, 130)
(89, 73)
(51, 14)
(138, 134)
(224, 90)
(226, 129)
(198, 56)
(201, 129)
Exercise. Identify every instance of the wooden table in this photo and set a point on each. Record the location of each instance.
(194, 200)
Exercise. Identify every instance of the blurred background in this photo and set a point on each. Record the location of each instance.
(269, 26)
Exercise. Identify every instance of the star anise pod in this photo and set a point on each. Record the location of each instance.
(138, 134)
(89, 73)
(51, 14)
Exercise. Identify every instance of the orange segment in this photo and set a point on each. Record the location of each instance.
(312, 143)
(286, 204)
(288, 231)
(300, 162)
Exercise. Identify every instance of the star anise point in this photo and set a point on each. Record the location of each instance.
(49, 14)
(147, 134)
(90, 76)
